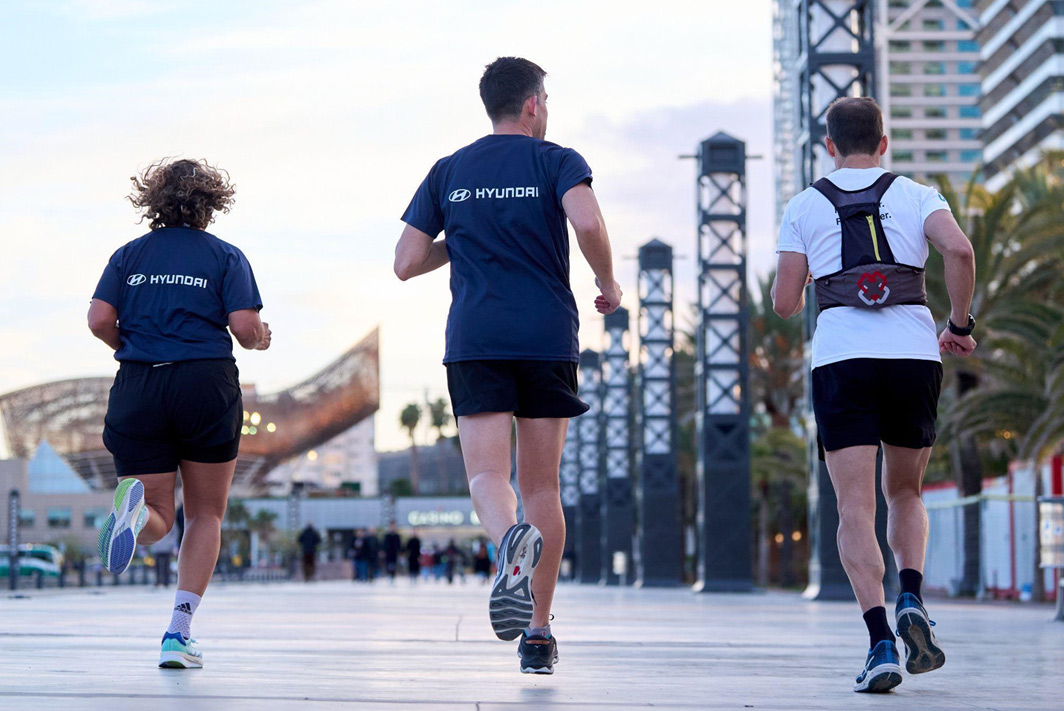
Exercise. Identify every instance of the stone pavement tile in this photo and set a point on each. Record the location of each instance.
(337, 645)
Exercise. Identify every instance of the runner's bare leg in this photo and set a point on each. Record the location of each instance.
(539, 454)
(485, 441)
(853, 472)
(206, 495)
(159, 499)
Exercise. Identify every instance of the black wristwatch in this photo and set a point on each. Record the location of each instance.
(957, 330)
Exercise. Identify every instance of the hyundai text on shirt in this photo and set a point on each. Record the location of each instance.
(174, 289)
(499, 202)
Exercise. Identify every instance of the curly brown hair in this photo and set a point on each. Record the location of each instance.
(181, 192)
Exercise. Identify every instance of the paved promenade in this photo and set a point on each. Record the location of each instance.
(343, 646)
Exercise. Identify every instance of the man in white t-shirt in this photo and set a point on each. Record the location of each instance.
(876, 361)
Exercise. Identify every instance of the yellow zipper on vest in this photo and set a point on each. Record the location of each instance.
(875, 241)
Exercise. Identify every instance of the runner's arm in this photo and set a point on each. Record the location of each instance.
(251, 333)
(418, 254)
(788, 290)
(582, 208)
(103, 322)
(946, 236)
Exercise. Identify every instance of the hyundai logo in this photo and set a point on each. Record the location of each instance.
(136, 279)
(459, 195)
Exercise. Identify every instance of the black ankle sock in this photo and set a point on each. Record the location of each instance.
(878, 629)
(910, 582)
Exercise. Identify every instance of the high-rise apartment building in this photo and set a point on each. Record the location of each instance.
(929, 87)
(1022, 69)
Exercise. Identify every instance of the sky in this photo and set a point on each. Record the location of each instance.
(327, 114)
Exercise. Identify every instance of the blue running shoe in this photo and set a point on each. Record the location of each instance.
(922, 653)
(882, 671)
(179, 653)
(118, 535)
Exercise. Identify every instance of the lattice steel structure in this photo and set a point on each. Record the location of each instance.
(659, 528)
(722, 369)
(592, 460)
(837, 58)
(69, 414)
(617, 511)
(785, 101)
(569, 475)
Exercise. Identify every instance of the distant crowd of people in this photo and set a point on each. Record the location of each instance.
(374, 555)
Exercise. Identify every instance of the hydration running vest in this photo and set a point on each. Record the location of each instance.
(870, 277)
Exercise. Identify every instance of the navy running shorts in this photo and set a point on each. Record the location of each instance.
(527, 388)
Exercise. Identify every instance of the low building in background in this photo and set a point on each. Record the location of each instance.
(346, 464)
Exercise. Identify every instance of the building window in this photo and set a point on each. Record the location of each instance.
(93, 519)
(969, 134)
(934, 25)
(966, 67)
(967, 46)
(902, 156)
(902, 134)
(935, 112)
(901, 90)
(27, 518)
(934, 46)
(934, 68)
(935, 134)
(901, 68)
(58, 517)
(972, 155)
(934, 89)
(900, 45)
(968, 89)
(936, 156)
(901, 112)
(970, 112)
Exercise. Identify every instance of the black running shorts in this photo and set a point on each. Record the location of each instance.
(527, 388)
(865, 401)
(158, 415)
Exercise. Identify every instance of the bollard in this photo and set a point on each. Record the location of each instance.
(99, 577)
(39, 574)
(81, 574)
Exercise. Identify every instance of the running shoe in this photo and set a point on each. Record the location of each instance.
(922, 653)
(881, 672)
(179, 653)
(510, 604)
(538, 654)
(118, 535)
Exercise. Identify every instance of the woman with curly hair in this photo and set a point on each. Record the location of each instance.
(164, 304)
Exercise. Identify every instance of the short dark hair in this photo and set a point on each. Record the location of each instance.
(855, 124)
(507, 83)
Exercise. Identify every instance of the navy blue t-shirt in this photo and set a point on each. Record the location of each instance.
(499, 201)
(174, 289)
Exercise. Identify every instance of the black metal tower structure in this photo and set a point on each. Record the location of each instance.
(569, 475)
(589, 538)
(659, 528)
(617, 512)
(836, 58)
(722, 369)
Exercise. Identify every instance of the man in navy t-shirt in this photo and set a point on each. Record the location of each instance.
(512, 342)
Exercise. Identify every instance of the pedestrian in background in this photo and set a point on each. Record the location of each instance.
(309, 540)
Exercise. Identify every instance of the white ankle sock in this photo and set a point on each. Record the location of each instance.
(185, 604)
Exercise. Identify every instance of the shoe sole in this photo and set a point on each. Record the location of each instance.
(178, 660)
(510, 604)
(922, 655)
(540, 670)
(117, 541)
(880, 680)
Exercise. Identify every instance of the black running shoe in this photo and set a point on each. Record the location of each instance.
(510, 605)
(538, 654)
(921, 648)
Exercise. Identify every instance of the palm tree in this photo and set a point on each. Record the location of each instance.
(778, 460)
(409, 419)
(440, 418)
(1016, 235)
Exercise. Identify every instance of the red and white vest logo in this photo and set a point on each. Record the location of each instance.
(872, 288)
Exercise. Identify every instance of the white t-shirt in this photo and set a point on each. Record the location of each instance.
(810, 227)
